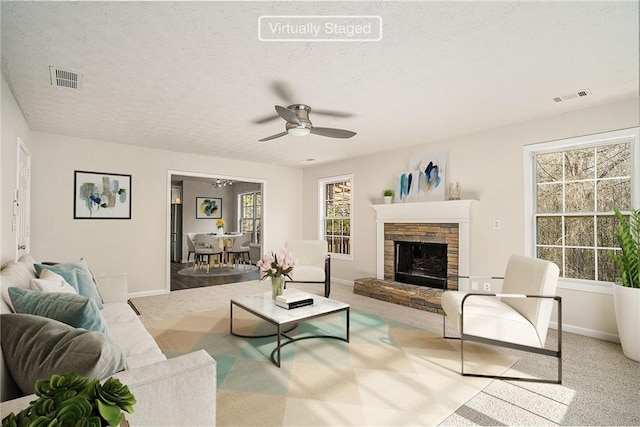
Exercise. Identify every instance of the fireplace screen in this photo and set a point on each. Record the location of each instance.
(423, 264)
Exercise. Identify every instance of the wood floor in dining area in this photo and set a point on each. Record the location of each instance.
(179, 282)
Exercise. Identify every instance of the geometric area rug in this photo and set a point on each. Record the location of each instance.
(389, 374)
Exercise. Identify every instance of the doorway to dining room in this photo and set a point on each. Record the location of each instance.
(198, 203)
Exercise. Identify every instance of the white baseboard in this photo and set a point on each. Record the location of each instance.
(342, 281)
(586, 332)
(147, 293)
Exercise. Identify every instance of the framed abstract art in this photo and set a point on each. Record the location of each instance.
(208, 207)
(100, 195)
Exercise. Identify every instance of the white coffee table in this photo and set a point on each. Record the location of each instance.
(264, 307)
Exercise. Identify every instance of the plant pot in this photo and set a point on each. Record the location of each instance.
(627, 305)
(387, 199)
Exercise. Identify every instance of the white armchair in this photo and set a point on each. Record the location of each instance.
(314, 263)
(517, 318)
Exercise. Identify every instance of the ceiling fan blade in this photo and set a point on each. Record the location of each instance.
(288, 115)
(277, 135)
(266, 119)
(283, 91)
(332, 113)
(332, 133)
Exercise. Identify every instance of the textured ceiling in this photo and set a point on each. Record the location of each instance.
(193, 76)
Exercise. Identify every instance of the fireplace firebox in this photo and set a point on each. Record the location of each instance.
(420, 263)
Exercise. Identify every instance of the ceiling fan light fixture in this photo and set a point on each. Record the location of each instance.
(299, 131)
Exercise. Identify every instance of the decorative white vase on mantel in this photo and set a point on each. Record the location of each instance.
(626, 301)
(220, 231)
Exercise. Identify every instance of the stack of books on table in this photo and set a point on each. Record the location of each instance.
(293, 299)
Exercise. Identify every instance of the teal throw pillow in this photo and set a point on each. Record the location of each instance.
(35, 347)
(78, 275)
(74, 310)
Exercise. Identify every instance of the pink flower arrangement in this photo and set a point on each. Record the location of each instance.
(276, 265)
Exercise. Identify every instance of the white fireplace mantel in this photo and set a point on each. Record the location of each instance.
(446, 212)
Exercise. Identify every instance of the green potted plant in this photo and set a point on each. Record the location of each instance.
(626, 291)
(73, 400)
(387, 194)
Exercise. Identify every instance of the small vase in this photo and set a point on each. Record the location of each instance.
(277, 285)
(220, 231)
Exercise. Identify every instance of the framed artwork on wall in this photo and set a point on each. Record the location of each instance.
(208, 207)
(100, 195)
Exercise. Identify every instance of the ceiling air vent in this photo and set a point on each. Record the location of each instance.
(579, 94)
(64, 78)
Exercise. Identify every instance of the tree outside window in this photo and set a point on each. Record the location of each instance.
(576, 191)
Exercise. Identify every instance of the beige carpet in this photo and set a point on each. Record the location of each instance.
(388, 374)
(393, 372)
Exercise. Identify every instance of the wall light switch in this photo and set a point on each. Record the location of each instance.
(496, 224)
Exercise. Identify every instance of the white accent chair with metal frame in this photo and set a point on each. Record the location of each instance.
(313, 263)
(517, 318)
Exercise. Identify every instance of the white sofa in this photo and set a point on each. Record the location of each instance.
(179, 391)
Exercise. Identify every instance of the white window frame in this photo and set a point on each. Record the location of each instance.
(240, 206)
(631, 135)
(322, 182)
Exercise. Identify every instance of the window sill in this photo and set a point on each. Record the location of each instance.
(586, 286)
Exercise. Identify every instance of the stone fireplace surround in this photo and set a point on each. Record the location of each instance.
(431, 222)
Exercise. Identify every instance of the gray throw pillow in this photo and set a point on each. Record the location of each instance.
(74, 310)
(78, 275)
(36, 347)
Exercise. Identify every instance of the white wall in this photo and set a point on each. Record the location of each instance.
(488, 166)
(13, 126)
(137, 246)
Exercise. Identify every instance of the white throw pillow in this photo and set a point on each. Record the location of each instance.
(51, 282)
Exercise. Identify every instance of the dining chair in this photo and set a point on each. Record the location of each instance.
(191, 247)
(206, 247)
(240, 249)
(313, 263)
(516, 318)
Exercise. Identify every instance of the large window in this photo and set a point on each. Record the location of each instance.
(251, 215)
(335, 215)
(575, 184)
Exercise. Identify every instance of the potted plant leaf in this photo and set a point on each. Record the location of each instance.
(626, 291)
(73, 400)
(387, 194)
